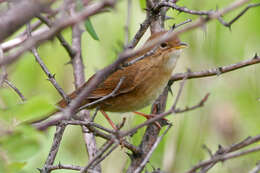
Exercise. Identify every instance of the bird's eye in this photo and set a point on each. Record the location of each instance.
(163, 45)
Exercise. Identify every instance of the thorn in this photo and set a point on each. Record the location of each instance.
(146, 9)
(119, 126)
(205, 147)
(170, 82)
(256, 56)
(133, 133)
(173, 26)
(170, 90)
(50, 76)
(219, 71)
(220, 149)
(229, 27)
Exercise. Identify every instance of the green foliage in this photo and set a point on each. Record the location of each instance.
(87, 23)
(89, 27)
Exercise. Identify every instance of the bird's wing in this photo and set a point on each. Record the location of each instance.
(109, 85)
(112, 82)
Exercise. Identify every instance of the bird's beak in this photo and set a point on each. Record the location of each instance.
(182, 45)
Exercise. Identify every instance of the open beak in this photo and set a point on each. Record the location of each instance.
(182, 45)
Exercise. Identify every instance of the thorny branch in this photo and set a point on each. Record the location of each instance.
(216, 71)
(61, 24)
(54, 148)
(20, 14)
(45, 69)
(149, 154)
(227, 153)
(228, 24)
(62, 40)
(79, 77)
(61, 127)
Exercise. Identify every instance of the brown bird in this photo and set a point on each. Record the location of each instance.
(141, 82)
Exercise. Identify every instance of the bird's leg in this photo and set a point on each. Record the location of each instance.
(114, 126)
(109, 120)
(148, 116)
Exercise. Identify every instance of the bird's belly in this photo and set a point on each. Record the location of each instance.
(140, 97)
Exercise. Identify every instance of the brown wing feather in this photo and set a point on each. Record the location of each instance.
(108, 85)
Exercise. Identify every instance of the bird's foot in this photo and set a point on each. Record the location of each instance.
(149, 116)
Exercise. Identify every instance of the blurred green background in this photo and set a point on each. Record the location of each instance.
(230, 115)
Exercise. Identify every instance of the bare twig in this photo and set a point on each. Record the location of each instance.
(61, 127)
(51, 77)
(228, 24)
(54, 148)
(143, 27)
(44, 125)
(162, 115)
(180, 24)
(98, 155)
(79, 77)
(13, 43)
(223, 154)
(62, 40)
(181, 9)
(216, 71)
(15, 89)
(45, 69)
(20, 14)
(62, 166)
(179, 93)
(61, 24)
(84, 123)
(227, 157)
(149, 53)
(116, 144)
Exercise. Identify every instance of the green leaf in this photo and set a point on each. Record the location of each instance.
(33, 109)
(142, 4)
(89, 27)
